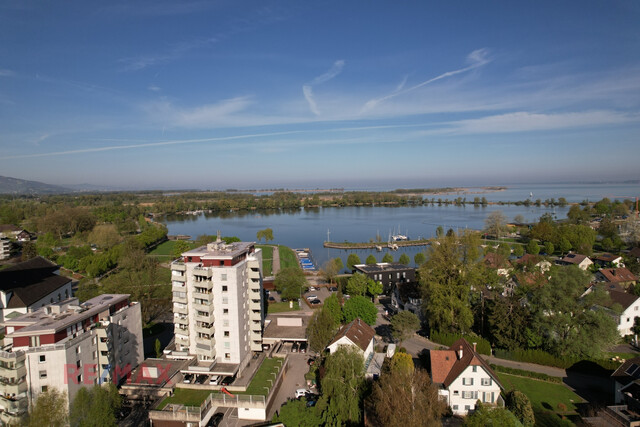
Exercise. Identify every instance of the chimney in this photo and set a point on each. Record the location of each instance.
(474, 347)
(460, 353)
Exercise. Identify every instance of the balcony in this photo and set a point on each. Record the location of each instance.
(205, 318)
(180, 309)
(179, 298)
(202, 272)
(206, 328)
(202, 307)
(178, 287)
(254, 304)
(178, 277)
(178, 266)
(182, 339)
(255, 335)
(211, 342)
(206, 297)
(180, 320)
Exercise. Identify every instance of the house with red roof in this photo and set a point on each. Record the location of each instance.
(620, 276)
(355, 334)
(582, 261)
(609, 259)
(464, 377)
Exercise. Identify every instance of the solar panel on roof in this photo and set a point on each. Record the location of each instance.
(633, 370)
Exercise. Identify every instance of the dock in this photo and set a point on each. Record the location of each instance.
(375, 245)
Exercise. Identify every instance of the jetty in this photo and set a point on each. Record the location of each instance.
(375, 245)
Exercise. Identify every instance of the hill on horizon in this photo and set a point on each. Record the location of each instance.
(10, 185)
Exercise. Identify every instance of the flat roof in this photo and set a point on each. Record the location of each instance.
(220, 250)
(69, 313)
(292, 333)
(225, 369)
(382, 267)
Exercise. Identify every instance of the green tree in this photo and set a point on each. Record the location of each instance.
(439, 232)
(404, 325)
(332, 306)
(519, 219)
(371, 259)
(564, 246)
(533, 248)
(105, 236)
(320, 330)
(446, 279)
(495, 224)
(296, 413)
(504, 250)
(386, 258)
(520, 406)
(329, 270)
(548, 248)
(266, 234)
(50, 409)
(360, 307)
(404, 259)
(352, 259)
(374, 288)
(508, 320)
(96, 406)
(342, 388)
(358, 284)
(576, 215)
(290, 282)
(404, 398)
(419, 259)
(496, 417)
(180, 247)
(518, 250)
(400, 362)
(339, 264)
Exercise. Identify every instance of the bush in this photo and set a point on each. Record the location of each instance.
(482, 345)
(541, 357)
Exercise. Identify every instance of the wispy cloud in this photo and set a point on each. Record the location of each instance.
(527, 122)
(4, 72)
(476, 59)
(154, 88)
(307, 89)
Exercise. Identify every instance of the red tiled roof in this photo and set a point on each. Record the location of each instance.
(623, 298)
(446, 365)
(574, 258)
(618, 275)
(494, 260)
(529, 258)
(358, 332)
(607, 257)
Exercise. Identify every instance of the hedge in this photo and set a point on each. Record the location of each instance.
(446, 338)
(529, 374)
(541, 357)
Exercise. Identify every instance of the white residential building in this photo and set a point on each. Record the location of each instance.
(5, 248)
(67, 346)
(218, 304)
(464, 377)
(355, 334)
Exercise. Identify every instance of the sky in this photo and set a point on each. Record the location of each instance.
(298, 94)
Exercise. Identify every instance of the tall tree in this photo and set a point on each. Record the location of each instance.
(404, 325)
(342, 388)
(495, 224)
(29, 251)
(406, 398)
(549, 248)
(508, 321)
(266, 234)
(180, 247)
(446, 279)
(387, 257)
(520, 405)
(50, 409)
(320, 330)
(533, 248)
(295, 412)
(374, 288)
(330, 269)
(96, 406)
(518, 250)
(352, 259)
(371, 259)
(361, 307)
(404, 259)
(332, 306)
(419, 259)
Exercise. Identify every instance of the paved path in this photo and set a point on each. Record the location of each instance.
(275, 266)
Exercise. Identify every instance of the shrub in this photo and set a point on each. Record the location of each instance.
(541, 357)
(529, 374)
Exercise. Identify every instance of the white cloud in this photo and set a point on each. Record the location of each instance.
(154, 88)
(307, 90)
(6, 73)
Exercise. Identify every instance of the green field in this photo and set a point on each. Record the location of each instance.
(280, 307)
(267, 259)
(543, 395)
(185, 396)
(166, 248)
(287, 257)
(264, 377)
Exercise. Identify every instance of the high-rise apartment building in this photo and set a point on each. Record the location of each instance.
(67, 345)
(218, 302)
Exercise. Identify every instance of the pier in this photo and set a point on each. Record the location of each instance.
(373, 245)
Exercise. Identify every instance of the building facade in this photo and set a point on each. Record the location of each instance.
(67, 346)
(218, 302)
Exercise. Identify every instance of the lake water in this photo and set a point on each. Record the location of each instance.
(309, 228)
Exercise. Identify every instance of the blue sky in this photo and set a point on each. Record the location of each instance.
(260, 94)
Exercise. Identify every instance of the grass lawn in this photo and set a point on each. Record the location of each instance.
(267, 259)
(265, 372)
(166, 248)
(542, 394)
(185, 396)
(279, 307)
(287, 257)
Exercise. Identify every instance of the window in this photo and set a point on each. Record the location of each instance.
(223, 277)
(43, 389)
(225, 300)
(78, 351)
(455, 392)
(467, 381)
(225, 311)
(455, 407)
(227, 344)
(95, 354)
(225, 288)
(43, 374)
(79, 379)
(474, 368)
(467, 408)
(227, 355)
(486, 381)
(469, 394)
(42, 358)
(487, 397)
(225, 323)
(226, 333)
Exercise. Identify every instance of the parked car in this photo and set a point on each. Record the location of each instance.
(311, 403)
(301, 392)
(312, 288)
(201, 379)
(294, 347)
(227, 381)
(315, 301)
(310, 297)
(215, 419)
(333, 289)
(303, 347)
(272, 299)
(187, 379)
(215, 380)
